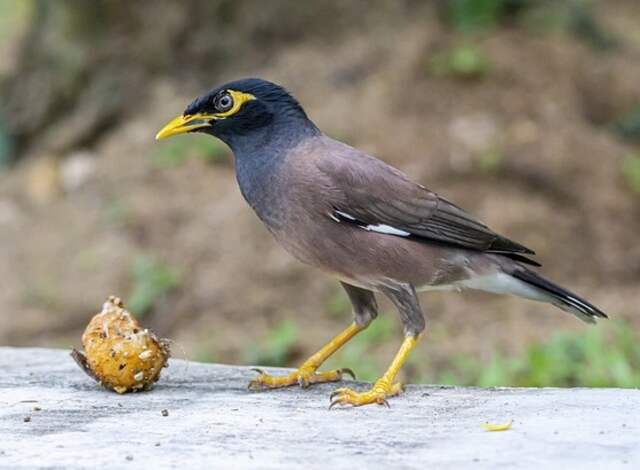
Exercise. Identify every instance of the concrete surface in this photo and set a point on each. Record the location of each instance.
(213, 421)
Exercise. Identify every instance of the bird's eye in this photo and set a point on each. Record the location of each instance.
(225, 103)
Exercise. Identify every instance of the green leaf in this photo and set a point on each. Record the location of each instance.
(606, 356)
(152, 280)
(631, 171)
(6, 146)
(472, 15)
(277, 347)
(466, 61)
(628, 126)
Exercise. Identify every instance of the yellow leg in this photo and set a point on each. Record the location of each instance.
(383, 388)
(306, 373)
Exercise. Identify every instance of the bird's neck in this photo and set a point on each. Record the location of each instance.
(259, 162)
(282, 134)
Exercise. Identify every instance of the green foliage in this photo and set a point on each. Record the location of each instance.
(631, 171)
(546, 16)
(338, 304)
(152, 280)
(14, 15)
(43, 292)
(491, 161)
(628, 126)
(471, 15)
(205, 352)
(597, 357)
(6, 146)
(584, 24)
(178, 150)
(277, 348)
(465, 61)
(117, 212)
(575, 16)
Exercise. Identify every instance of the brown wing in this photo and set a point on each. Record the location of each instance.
(371, 193)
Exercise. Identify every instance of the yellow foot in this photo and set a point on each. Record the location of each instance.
(379, 393)
(304, 377)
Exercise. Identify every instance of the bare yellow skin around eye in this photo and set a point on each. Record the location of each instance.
(239, 99)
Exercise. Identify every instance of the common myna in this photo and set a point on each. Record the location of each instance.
(359, 220)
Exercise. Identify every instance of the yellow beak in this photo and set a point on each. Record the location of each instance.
(184, 124)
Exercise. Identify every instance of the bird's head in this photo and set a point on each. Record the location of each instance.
(237, 110)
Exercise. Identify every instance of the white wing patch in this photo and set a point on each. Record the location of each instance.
(345, 215)
(387, 229)
(379, 228)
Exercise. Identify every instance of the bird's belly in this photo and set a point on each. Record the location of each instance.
(368, 259)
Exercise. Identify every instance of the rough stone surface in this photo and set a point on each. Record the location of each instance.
(213, 421)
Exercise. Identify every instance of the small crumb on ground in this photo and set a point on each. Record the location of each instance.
(497, 427)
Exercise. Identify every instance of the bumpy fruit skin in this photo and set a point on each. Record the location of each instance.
(120, 354)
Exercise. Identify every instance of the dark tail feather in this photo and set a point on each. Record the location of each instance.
(521, 259)
(561, 297)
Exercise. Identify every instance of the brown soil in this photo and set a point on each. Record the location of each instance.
(558, 189)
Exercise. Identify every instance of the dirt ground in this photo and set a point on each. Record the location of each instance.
(70, 225)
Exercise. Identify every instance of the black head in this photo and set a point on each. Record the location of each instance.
(238, 110)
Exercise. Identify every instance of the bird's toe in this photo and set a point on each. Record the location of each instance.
(378, 394)
(304, 377)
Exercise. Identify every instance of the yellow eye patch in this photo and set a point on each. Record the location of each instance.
(239, 99)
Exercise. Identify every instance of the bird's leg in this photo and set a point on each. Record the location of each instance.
(383, 388)
(306, 374)
(365, 309)
(405, 299)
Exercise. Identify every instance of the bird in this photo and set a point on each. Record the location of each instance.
(361, 221)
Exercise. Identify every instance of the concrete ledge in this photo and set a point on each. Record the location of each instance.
(213, 421)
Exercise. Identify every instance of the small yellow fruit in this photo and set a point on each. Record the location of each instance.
(120, 354)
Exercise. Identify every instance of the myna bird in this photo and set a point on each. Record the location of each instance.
(359, 220)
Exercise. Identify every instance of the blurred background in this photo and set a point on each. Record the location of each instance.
(525, 112)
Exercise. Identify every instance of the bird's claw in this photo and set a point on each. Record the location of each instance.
(349, 372)
(304, 377)
(378, 394)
